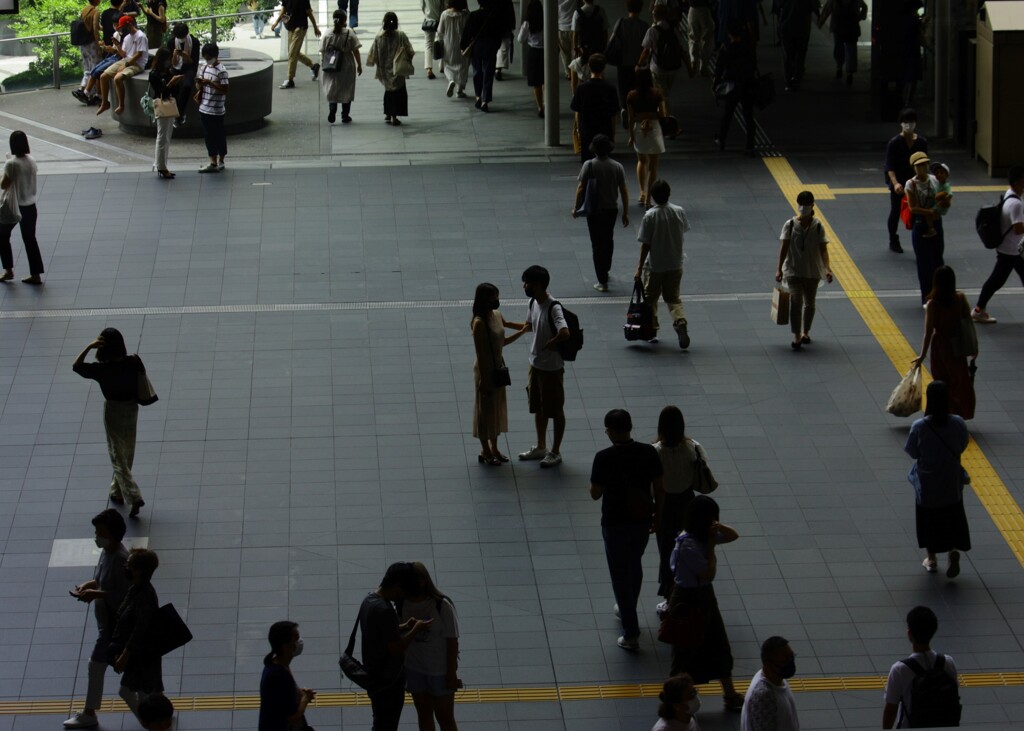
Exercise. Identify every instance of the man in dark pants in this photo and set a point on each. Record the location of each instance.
(596, 104)
(898, 169)
(610, 179)
(1008, 253)
(184, 48)
(795, 31)
(384, 641)
(736, 65)
(626, 477)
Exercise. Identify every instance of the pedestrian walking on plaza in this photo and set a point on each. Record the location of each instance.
(296, 16)
(432, 10)
(90, 50)
(628, 32)
(105, 591)
(926, 233)
(385, 642)
(603, 180)
(803, 263)
(915, 695)
(702, 35)
(694, 565)
(769, 704)
(449, 30)
(156, 22)
(566, 50)
(733, 81)
(626, 477)
(946, 314)
(163, 83)
(661, 248)
(545, 391)
(844, 18)
(339, 83)
(665, 52)
(118, 375)
(936, 442)
(678, 706)
(132, 650)
(352, 8)
(490, 376)
(679, 464)
(596, 105)
(590, 29)
(531, 34)
(795, 31)
(645, 107)
(898, 170)
(432, 662)
(211, 96)
(505, 15)
(19, 181)
(185, 53)
(480, 40)
(282, 702)
(387, 45)
(1008, 253)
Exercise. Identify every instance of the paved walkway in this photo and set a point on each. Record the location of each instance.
(306, 326)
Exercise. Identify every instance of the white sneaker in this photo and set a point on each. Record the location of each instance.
(662, 608)
(628, 643)
(533, 453)
(82, 720)
(982, 316)
(601, 287)
(551, 459)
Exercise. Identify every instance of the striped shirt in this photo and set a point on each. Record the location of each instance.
(212, 101)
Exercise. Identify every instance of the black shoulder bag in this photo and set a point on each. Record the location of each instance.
(500, 376)
(352, 668)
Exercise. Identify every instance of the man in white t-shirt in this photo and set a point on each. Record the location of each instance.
(544, 383)
(769, 704)
(566, 11)
(1008, 253)
(921, 627)
(661, 246)
(135, 50)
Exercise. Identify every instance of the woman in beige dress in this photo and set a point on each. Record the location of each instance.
(490, 412)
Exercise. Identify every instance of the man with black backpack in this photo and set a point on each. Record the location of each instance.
(664, 49)
(86, 33)
(1008, 252)
(922, 691)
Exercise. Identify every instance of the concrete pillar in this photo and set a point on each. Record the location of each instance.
(552, 74)
(942, 75)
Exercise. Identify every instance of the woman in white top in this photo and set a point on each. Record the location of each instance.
(449, 30)
(339, 83)
(20, 176)
(531, 32)
(679, 704)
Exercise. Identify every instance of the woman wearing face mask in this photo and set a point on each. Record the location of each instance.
(139, 663)
(679, 705)
(490, 411)
(105, 591)
(282, 702)
(803, 261)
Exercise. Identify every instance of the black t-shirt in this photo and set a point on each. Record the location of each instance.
(597, 103)
(897, 158)
(378, 624)
(119, 380)
(297, 12)
(626, 473)
(108, 22)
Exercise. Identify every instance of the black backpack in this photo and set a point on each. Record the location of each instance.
(989, 223)
(668, 51)
(934, 695)
(639, 317)
(80, 33)
(572, 345)
(593, 35)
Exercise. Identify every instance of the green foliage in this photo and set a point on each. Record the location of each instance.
(40, 17)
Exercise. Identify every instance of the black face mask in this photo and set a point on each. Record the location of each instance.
(528, 290)
(496, 304)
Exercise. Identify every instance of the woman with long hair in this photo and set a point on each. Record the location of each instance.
(385, 46)
(936, 442)
(678, 455)
(118, 375)
(946, 312)
(490, 410)
(339, 83)
(531, 32)
(432, 662)
(645, 106)
(678, 705)
(163, 83)
(449, 31)
(695, 565)
(20, 174)
(282, 702)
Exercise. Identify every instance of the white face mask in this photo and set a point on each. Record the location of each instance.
(298, 647)
(102, 542)
(805, 210)
(908, 127)
(694, 705)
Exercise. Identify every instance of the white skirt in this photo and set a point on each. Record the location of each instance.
(649, 141)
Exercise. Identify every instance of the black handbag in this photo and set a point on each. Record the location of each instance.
(429, 25)
(169, 630)
(703, 481)
(438, 49)
(639, 317)
(352, 668)
(500, 377)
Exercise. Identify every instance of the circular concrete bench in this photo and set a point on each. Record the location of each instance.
(250, 97)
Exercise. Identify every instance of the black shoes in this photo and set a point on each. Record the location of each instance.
(894, 247)
(316, 71)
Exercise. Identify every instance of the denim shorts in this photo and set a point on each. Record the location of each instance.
(104, 65)
(421, 683)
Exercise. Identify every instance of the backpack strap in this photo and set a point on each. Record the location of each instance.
(1002, 202)
(551, 316)
(913, 665)
(940, 661)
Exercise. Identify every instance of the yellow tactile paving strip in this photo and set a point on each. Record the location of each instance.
(506, 695)
(1005, 512)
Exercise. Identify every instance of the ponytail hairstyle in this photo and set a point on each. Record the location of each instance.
(280, 634)
(427, 586)
(339, 21)
(390, 24)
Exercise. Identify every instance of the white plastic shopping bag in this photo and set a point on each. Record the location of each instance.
(906, 397)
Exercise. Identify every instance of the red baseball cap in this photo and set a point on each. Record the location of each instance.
(125, 20)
